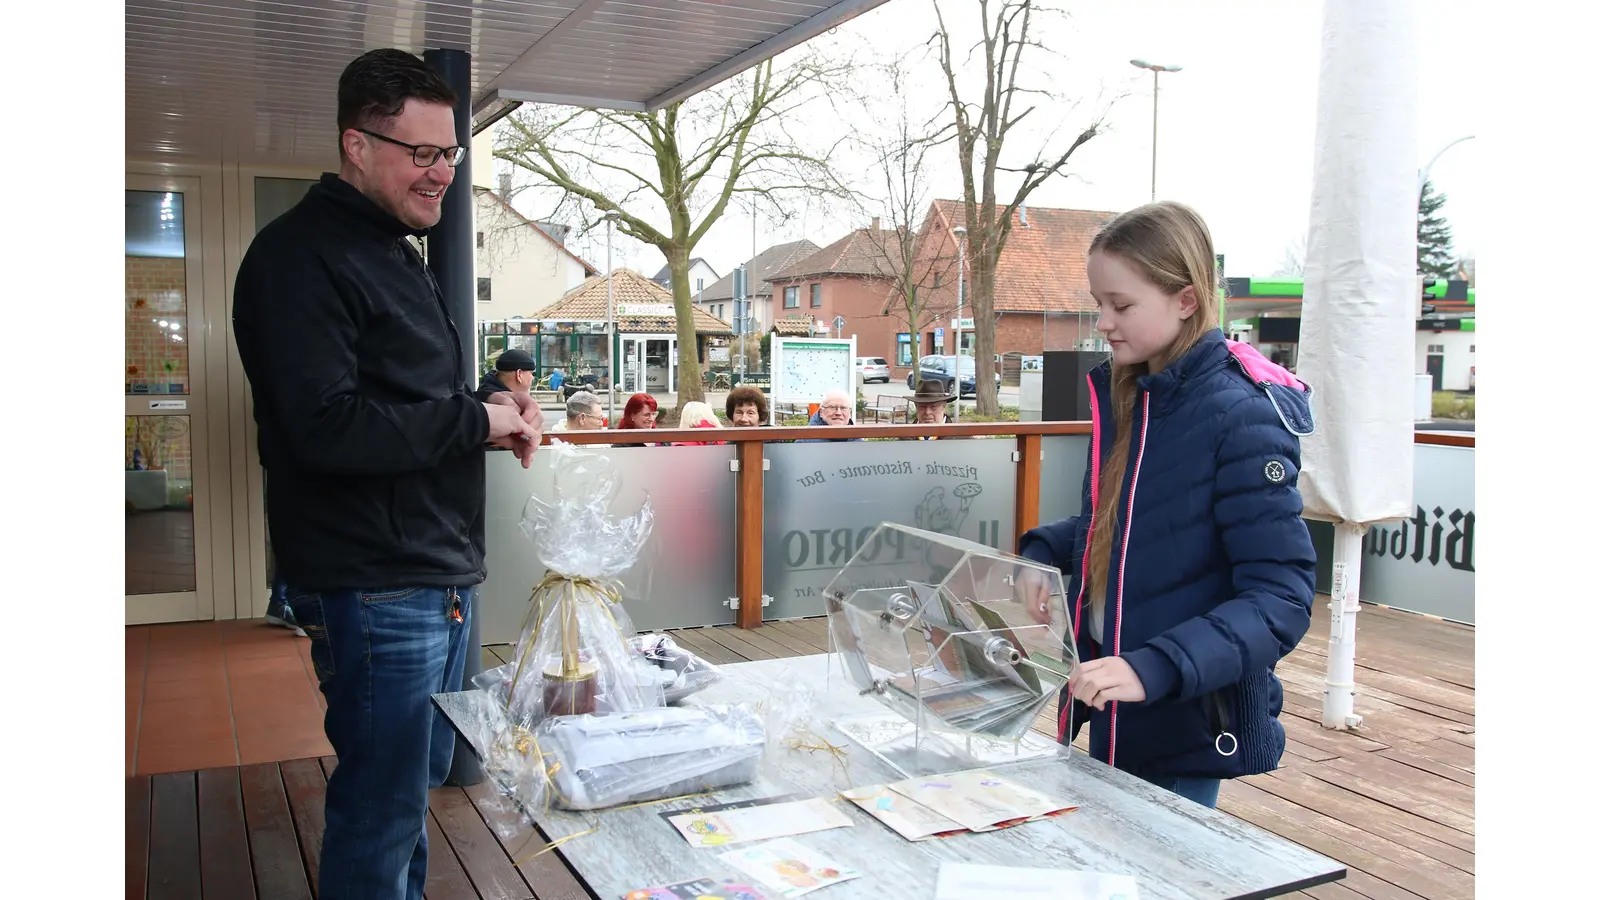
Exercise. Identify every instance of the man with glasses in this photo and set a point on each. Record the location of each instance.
(374, 451)
(836, 409)
(584, 413)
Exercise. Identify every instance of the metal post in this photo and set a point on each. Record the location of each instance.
(1339, 686)
(961, 295)
(452, 246)
(1155, 118)
(1155, 113)
(611, 327)
(1422, 177)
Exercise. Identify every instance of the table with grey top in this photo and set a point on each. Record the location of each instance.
(1173, 847)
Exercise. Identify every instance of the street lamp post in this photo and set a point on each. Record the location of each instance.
(1155, 109)
(611, 217)
(960, 231)
(1422, 177)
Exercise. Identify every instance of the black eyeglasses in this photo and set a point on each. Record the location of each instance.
(424, 155)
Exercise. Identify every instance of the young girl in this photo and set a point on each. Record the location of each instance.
(1191, 571)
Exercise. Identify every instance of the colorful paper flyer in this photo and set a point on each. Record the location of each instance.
(699, 889)
(912, 820)
(789, 868)
(758, 823)
(968, 881)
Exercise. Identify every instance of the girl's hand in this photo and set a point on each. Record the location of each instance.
(1101, 681)
(1033, 589)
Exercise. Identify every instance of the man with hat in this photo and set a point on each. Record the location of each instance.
(930, 400)
(513, 372)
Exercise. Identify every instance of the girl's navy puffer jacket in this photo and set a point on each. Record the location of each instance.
(1212, 573)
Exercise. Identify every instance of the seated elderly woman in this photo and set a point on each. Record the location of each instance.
(746, 407)
(583, 414)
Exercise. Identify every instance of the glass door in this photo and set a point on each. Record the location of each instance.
(166, 492)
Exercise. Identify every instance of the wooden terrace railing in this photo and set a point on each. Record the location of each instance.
(751, 444)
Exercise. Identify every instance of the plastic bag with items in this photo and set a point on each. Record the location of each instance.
(607, 760)
(679, 672)
(573, 656)
(596, 761)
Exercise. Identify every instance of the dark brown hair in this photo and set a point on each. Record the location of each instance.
(375, 86)
(1169, 245)
(743, 394)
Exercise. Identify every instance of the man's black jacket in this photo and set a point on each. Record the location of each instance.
(374, 448)
(490, 384)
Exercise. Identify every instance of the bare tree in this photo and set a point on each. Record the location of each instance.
(901, 154)
(670, 174)
(981, 131)
(1293, 262)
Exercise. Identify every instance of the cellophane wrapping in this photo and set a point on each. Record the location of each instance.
(573, 655)
(680, 672)
(599, 761)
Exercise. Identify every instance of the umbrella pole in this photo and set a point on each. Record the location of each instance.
(1339, 688)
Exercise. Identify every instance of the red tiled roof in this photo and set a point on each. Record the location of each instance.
(865, 251)
(587, 303)
(1043, 268)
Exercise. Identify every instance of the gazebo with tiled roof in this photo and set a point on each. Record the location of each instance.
(646, 326)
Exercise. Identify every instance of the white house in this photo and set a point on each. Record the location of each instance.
(1450, 356)
(701, 276)
(521, 266)
(717, 298)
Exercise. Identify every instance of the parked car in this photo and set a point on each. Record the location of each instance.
(942, 369)
(873, 368)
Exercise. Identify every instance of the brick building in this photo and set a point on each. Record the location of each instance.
(851, 278)
(717, 298)
(1042, 299)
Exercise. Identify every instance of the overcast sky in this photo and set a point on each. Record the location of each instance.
(1237, 125)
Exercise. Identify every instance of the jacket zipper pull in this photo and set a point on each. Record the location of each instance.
(1226, 743)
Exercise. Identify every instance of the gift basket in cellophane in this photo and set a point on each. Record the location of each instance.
(579, 718)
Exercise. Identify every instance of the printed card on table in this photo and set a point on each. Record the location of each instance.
(700, 889)
(758, 823)
(788, 867)
(910, 819)
(979, 800)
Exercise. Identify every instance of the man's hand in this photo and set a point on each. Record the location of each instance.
(1107, 679)
(526, 406)
(509, 428)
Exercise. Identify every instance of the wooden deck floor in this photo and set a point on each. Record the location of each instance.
(1394, 802)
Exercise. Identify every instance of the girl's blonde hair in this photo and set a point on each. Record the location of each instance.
(696, 413)
(1169, 245)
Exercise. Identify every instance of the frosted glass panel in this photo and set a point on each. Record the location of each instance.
(687, 573)
(1061, 476)
(823, 500)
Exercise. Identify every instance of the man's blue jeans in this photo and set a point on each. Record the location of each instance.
(379, 656)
